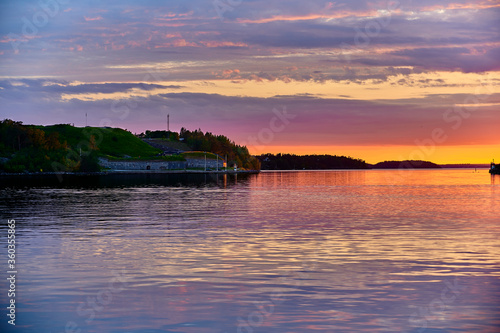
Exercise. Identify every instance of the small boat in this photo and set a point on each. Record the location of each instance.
(495, 169)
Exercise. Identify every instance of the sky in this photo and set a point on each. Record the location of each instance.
(376, 80)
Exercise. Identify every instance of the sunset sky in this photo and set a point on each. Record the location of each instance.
(377, 80)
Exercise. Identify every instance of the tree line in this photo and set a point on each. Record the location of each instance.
(309, 162)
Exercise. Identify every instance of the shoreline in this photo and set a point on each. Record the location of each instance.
(125, 172)
(161, 172)
(166, 172)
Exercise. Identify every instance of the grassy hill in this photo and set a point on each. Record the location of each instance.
(64, 147)
(114, 142)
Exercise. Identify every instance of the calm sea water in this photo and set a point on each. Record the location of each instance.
(322, 251)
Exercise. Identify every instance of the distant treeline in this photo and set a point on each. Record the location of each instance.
(409, 164)
(309, 162)
(173, 136)
(325, 162)
(221, 145)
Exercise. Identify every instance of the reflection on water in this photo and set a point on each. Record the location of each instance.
(495, 179)
(335, 251)
(124, 180)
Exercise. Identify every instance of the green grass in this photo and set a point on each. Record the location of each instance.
(114, 142)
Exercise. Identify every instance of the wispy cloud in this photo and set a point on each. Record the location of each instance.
(97, 18)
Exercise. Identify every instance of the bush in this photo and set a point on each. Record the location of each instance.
(90, 163)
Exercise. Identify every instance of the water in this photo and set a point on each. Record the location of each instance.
(321, 251)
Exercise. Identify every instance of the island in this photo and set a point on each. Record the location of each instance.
(63, 148)
(407, 164)
(310, 162)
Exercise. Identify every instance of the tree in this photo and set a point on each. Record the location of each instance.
(52, 142)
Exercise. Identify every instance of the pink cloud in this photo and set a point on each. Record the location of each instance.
(87, 19)
(177, 43)
(173, 25)
(338, 14)
(78, 48)
(171, 14)
(173, 35)
(451, 6)
(222, 44)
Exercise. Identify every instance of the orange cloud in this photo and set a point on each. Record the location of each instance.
(173, 35)
(340, 14)
(451, 6)
(229, 74)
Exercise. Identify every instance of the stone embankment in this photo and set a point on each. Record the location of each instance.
(158, 165)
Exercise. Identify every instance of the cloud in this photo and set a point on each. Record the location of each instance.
(319, 120)
(64, 87)
(97, 18)
(132, 32)
(451, 58)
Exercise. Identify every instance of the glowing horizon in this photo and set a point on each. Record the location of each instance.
(375, 154)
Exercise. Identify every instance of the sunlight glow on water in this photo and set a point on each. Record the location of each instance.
(322, 251)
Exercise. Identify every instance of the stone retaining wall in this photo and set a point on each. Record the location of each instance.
(142, 165)
(194, 163)
(200, 163)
